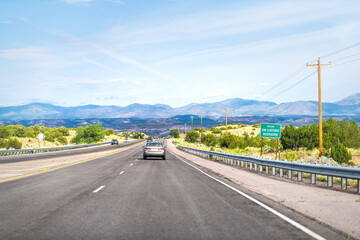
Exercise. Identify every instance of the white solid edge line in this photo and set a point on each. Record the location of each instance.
(282, 216)
(99, 189)
(122, 172)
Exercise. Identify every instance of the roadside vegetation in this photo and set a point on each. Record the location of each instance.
(341, 141)
(20, 137)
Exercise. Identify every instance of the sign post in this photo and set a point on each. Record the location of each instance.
(40, 137)
(270, 131)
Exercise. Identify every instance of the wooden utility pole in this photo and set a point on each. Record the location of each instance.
(226, 111)
(318, 65)
(201, 117)
(192, 121)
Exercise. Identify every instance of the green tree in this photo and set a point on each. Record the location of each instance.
(3, 143)
(289, 137)
(4, 132)
(175, 133)
(89, 134)
(192, 136)
(20, 132)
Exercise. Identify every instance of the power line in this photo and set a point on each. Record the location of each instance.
(341, 50)
(354, 60)
(345, 57)
(284, 80)
(298, 82)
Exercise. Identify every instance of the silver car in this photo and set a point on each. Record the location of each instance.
(154, 149)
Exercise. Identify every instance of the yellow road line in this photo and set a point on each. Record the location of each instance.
(72, 164)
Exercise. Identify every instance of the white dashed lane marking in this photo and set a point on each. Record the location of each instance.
(122, 172)
(99, 189)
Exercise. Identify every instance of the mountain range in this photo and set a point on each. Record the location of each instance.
(349, 106)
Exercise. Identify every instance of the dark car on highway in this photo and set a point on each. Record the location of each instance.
(149, 139)
(114, 141)
(154, 149)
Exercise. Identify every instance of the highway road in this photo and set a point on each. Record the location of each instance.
(122, 196)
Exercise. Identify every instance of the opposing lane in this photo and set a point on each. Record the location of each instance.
(152, 199)
(37, 156)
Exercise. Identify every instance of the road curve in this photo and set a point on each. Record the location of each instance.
(122, 196)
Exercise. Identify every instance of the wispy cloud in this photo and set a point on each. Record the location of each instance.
(116, 56)
(230, 21)
(29, 53)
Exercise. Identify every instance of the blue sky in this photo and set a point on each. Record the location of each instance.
(175, 52)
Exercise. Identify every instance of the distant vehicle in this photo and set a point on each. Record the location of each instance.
(114, 141)
(154, 149)
(126, 140)
(150, 139)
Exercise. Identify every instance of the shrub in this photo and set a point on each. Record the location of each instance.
(64, 131)
(62, 140)
(192, 136)
(340, 154)
(13, 143)
(108, 132)
(209, 140)
(215, 130)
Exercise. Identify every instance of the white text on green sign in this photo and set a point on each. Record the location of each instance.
(270, 130)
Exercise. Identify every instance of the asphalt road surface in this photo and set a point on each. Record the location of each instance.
(37, 156)
(124, 197)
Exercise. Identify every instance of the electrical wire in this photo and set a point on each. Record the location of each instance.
(345, 57)
(284, 80)
(287, 89)
(354, 60)
(341, 50)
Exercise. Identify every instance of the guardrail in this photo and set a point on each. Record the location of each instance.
(50, 149)
(290, 168)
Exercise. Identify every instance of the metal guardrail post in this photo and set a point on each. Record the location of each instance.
(274, 171)
(289, 174)
(313, 178)
(344, 183)
(281, 172)
(330, 181)
(299, 176)
(358, 186)
(267, 169)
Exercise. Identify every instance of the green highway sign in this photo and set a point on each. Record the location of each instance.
(270, 130)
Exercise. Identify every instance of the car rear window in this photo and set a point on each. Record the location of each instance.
(154, 145)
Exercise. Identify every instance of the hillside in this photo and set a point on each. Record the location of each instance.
(349, 106)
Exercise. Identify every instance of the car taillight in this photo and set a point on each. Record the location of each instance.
(161, 148)
(147, 148)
